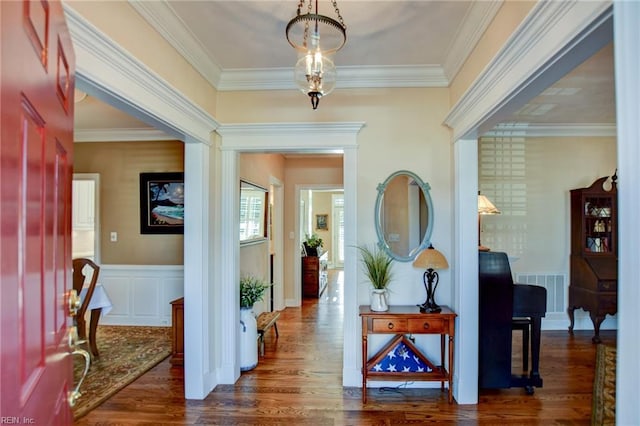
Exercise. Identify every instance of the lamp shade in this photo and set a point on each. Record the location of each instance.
(485, 206)
(431, 259)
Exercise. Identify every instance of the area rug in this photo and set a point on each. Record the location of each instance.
(604, 387)
(126, 353)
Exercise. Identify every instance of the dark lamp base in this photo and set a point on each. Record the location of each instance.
(429, 308)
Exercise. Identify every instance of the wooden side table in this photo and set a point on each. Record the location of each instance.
(177, 332)
(401, 320)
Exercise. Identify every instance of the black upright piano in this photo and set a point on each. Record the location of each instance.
(504, 307)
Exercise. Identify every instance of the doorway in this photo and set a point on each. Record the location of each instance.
(321, 212)
(85, 216)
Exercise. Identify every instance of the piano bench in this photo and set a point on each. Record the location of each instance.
(523, 324)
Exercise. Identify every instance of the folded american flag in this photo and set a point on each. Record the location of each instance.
(402, 357)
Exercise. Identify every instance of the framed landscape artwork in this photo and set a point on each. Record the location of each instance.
(162, 203)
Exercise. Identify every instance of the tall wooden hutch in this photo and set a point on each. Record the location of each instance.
(594, 253)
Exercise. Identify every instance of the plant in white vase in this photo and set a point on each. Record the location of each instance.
(252, 290)
(378, 269)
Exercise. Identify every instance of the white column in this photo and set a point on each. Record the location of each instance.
(626, 16)
(351, 374)
(465, 386)
(199, 380)
(226, 261)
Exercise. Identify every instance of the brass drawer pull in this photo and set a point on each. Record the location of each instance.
(390, 326)
(426, 325)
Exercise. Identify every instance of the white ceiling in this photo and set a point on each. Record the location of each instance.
(241, 45)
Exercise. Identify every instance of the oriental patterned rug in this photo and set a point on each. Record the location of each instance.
(126, 353)
(604, 386)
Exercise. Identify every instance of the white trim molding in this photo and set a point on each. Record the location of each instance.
(120, 135)
(104, 66)
(534, 130)
(162, 17)
(472, 28)
(318, 137)
(627, 69)
(348, 77)
(278, 137)
(541, 42)
(141, 294)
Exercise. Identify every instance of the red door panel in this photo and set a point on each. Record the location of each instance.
(36, 157)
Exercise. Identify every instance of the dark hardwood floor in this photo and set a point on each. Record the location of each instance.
(299, 382)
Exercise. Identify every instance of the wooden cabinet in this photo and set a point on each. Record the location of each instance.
(314, 275)
(399, 321)
(177, 332)
(594, 252)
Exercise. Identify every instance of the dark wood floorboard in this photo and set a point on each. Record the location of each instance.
(299, 382)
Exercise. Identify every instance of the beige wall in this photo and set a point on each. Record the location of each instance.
(539, 239)
(119, 165)
(510, 15)
(126, 27)
(403, 130)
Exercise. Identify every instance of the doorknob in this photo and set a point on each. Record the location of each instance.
(74, 303)
(73, 344)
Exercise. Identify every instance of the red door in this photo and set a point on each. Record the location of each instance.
(37, 69)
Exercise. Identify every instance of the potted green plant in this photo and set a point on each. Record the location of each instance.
(252, 290)
(313, 244)
(378, 269)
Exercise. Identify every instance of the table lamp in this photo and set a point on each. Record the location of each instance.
(430, 259)
(485, 207)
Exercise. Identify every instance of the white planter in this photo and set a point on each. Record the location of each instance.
(379, 300)
(248, 340)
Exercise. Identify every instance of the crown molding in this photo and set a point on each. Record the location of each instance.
(348, 78)
(540, 42)
(161, 16)
(326, 137)
(471, 29)
(120, 135)
(271, 129)
(108, 69)
(163, 19)
(392, 76)
(552, 130)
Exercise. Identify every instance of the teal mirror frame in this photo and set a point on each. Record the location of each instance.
(426, 238)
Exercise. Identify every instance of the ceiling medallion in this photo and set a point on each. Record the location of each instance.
(316, 37)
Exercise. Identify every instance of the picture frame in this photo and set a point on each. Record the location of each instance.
(162, 203)
(322, 222)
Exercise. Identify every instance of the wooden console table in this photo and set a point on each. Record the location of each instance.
(177, 332)
(401, 320)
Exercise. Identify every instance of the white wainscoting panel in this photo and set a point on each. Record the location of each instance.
(141, 294)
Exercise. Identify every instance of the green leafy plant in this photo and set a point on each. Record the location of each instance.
(251, 290)
(313, 240)
(377, 266)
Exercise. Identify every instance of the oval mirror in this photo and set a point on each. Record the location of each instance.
(404, 215)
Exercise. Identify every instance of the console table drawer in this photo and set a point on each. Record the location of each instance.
(427, 326)
(389, 325)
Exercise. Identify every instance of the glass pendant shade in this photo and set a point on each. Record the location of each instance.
(315, 37)
(315, 75)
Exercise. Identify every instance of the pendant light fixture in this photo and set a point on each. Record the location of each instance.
(316, 37)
